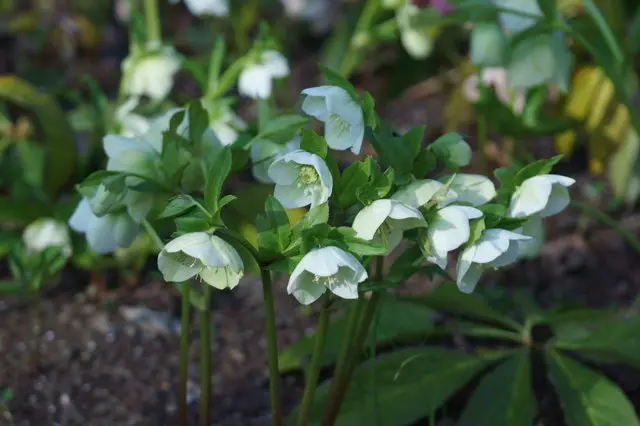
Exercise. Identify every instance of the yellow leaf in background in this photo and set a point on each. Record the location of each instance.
(592, 101)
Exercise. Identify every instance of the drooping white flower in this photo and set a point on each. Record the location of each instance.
(495, 78)
(448, 230)
(106, 233)
(46, 232)
(213, 259)
(533, 228)
(544, 194)
(264, 152)
(326, 268)
(208, 7)
(472, 189)
(418, 42)
(495, 248)
(421, 192)
(342, 115)
(226, 125)
(150, 72)
(385, 220)
(255, 80)
(301, 179)
(319, 13)
(131, 124)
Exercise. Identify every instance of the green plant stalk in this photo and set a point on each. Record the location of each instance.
(152, 20)
(335, 399)
(205, 357)
(350, 60)
(272, 348)
(342, 362)
(313, 372)
(183, 373)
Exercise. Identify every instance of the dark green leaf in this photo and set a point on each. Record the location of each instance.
(191, 223)
(274, 230)
(354, 177)
(447, 298)
(177, 206)
(313, 143)
(393, 149)
(215, 180)
(369, 110)
(198, 121)
(410, 261)
(504, 396)
(588, 398)
(400, 388)
(11, 287)
(335, 79)
(424, 163)
(348, 239)
(549, 9)
(288, 123)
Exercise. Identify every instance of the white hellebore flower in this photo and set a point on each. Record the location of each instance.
(448, 230)
(208, 7)
(255, 80)
(263, 153)
(385, 220)
(533, 228)
(318, 13)
(46, 232)
(131, 124)
(472, 189)
(421, 192)
(496, 79)
(544, 194)
(106, 233)
(226, 125)
(326, 268)
(418, 42)
(342, 115)
(495, 248)
(301, 179)
(150, 72)
(198, 253)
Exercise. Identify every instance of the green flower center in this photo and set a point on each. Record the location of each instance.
(308, 175)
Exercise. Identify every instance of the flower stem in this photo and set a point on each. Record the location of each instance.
(346, 349)
(152, 20)
(205, 357)
(350, 59)
(153, 234)
(272, 348)
(311, 380)
(337, 393)
(184, 352)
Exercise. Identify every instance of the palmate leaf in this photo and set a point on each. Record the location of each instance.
(588, 398)
(400, 388)
(504, 396)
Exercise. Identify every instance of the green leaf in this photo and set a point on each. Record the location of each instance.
(396, 151)
(410, 261)
(274, 229)
(609, 338)
(177, 206)
(504, 396)
(314, 143)
(218, 172)
(354, 177)
(531, 63)
(315, 216)
(409, 384)
(369, 110)
(447, 298)
(11, 287)
(424, 163)
(477, 227)
(549, 9)
(588, 398)
(396, 321)
(493, 214)
(347, 237)
(192, 223)
(198, 121)
(288, 124)
(60, 145)
(333, 78)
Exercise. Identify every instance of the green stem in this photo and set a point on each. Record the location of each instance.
(152, 20)
(315, 365)
(205, 357)
(183, 372)
(604, 218)
(368, 14)
(342, 382)
(153, 234)
(605, 30)
(272, 348)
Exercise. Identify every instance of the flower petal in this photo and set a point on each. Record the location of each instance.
(255, 82)
(473, 189)
(531, 197)
(449, 230)
(172, 269)
(345, 285)
(418, 193)
(558, 201)
(370, 218)
(304, 289)
(192, 238)
(275, 63)
(221, 278)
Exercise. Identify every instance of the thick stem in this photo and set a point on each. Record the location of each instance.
(272, 348)
(205, 357)
(342, 382)
(315, 365)
(152, 20)
(184, 353)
